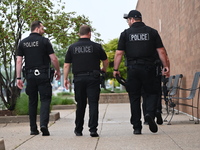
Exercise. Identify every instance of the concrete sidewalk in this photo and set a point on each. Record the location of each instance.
(115, 132)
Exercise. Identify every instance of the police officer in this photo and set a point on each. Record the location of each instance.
(38, 53)
(140, 43)
(85, 56)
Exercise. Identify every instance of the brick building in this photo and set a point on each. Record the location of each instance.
(178, 23)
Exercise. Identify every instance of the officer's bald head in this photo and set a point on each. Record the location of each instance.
(84, 30)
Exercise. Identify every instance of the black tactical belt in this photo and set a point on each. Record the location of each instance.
(140, 62)
(40, 70)
(84, 74)
(36, 72)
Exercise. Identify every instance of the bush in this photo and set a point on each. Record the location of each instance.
(64, 94)
(21, 107)
(61, 100)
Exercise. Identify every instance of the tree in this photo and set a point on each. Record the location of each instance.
(110, 49)
(16, 16)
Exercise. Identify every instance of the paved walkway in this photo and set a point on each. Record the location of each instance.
(115, 131)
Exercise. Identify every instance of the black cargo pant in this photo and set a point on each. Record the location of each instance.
(41, 84)
(159, 102)
(141, 77)
(87, 88)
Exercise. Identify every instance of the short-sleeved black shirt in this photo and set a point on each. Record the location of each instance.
(140, 42)
(85, 56)
(36, 50)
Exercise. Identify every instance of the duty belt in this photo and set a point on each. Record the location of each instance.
(36, 72)
(140, 62)
(84, 74)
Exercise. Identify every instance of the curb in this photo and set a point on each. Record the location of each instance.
(25, 118)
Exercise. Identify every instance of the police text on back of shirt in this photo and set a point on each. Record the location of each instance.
(83, 49)
(139, 37)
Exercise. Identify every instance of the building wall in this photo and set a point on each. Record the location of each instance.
(178, 23)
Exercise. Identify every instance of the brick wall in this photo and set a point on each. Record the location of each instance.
(178, 23)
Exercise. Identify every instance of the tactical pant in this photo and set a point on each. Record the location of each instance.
(42, 85)
(141, 77)
(159, 102)
(87, 88)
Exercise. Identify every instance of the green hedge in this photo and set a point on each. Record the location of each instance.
(21, 107)
(61, 100)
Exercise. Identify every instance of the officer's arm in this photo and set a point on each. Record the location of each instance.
(168, 63)
(105, 65)
(163, 57)
(117, 60)
(55, 63)
(19, 66)
(18, 71)
(66, 69)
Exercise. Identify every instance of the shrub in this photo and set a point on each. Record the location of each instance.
(61, 100)
(21, 107)
(64, 94)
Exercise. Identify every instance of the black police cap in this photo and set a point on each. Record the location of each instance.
(133, 14)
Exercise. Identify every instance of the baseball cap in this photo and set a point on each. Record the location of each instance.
(133, 14)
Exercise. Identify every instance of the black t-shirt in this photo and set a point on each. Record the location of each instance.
(140, 42)
(85, 56)
(36, 50)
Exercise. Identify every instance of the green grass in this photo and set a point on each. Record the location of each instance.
(64, 94)
(21, 107)
(61, 100)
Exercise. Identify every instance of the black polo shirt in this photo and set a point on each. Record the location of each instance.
(36, 50)
(85, 56)
(140, 42)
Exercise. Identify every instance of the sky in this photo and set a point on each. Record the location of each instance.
(106, 15)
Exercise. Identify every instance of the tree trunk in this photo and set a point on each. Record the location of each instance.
(9, 97)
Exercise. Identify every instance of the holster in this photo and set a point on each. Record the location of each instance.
(51, 72)
(158, 70)
(96, 73)
(158, 64)
(102, 79)
(24, 72)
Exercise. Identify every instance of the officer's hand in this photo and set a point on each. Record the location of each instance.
(66, 84)
(103, 70)
(57, 75)
(166, 72)
(20, 84)
(115, 73)
(167, 75)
